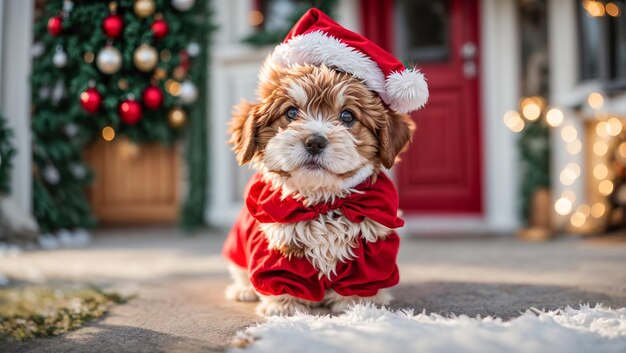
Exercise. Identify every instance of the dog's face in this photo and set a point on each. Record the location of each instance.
(319, 126)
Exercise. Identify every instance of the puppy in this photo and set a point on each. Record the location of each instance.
(317, 228)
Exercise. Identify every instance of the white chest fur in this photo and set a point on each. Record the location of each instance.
(324, 240)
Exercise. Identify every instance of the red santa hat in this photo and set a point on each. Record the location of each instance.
(316, 39)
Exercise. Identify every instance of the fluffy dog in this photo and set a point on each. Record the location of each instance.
(315, 134)
(317, 228)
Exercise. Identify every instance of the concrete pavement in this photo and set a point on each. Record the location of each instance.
(179, 281)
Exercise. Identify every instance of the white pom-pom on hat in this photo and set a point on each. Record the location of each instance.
(407, 90)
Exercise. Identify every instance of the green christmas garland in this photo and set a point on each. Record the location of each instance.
(62, 128)
(196, 153)
(534, 149)
(7, 151)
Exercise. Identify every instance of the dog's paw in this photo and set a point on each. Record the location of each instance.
(273, 307)
(339, 304)
(242, 339)
(290, 251)
(241, 294)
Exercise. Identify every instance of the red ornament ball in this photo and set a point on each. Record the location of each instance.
(130, 111)
(113, 25)
(91, 100)
(152, 97)
(55, 25)
(159, 28)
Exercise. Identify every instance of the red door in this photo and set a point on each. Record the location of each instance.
(441, 172)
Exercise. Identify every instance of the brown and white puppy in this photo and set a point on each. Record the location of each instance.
(315, 133)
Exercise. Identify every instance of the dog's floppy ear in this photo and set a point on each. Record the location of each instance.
(394, 136)
(243, 128)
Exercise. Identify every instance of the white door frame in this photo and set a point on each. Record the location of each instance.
(15, 67)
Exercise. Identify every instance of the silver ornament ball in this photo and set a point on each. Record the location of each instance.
(70, 129)
(188, 92)
(51, 175)
(109, 60)
(37, 49)
(58, 92)
(68, 6)
(59, 59)
(78, 171)
(183, 5)
(44, 92)
(193, 49)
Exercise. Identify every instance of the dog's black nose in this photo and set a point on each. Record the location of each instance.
(314, 144)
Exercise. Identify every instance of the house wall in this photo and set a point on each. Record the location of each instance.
(234, 76)
(16, 21)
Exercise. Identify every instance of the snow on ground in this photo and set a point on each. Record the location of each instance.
(368, 329)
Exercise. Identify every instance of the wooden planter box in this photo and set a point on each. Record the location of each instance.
(134, 184)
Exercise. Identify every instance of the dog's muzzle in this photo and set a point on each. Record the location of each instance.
(315, 144)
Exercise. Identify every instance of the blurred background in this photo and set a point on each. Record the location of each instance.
(113, 119)
(114, 113)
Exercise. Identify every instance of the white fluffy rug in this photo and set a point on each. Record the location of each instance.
(367, 329)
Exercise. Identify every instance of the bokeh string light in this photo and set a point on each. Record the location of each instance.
(563, 206)
(600, 171)
(108, 133)
(554, 117)
(595, 100)
(513, 121)
(597, 210)
(574, 147)
(600, 148)
(569, 133)
(595, 8)
(612, 9)
(613, 126)
(606, 129)
(605, 187)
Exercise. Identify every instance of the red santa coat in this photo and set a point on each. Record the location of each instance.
(374, 266)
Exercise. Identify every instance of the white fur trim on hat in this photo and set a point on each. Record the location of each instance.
(318, 48)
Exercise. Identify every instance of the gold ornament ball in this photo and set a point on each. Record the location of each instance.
(122, 84)
(179, 73)
(109, 60)
(89, 57)
(166, 55)
(145, 57)
(177, 117)
(144, 8)
(160, 73)
(172, 87)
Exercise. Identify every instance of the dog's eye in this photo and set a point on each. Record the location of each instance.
(292, 114)
(347, 117)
